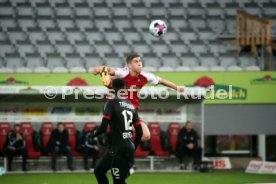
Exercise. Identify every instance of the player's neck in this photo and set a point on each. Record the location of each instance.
(132, 73)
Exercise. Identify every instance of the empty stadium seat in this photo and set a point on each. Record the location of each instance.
(165, 69)
(89, 126)
(41, 70)
(45, 133)
(155, 141)
(149, 69)
(27, 130)
(200, 69)
(78, 69)
(234, 68)
(72, 130)
(141, 153)
(6, 70)
(217, 69)
(23, 70)
(252, 68)
(60, 69)
(4, 130)
(183, 69)
(173, 130)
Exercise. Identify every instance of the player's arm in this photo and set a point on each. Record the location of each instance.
(171, 85)
(103, 126)
(138, 129)
(155, 80)
(105, 120)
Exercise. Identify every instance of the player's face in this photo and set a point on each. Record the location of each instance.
(60, 128)
(135, 65)
(189, 126)
(16, 129)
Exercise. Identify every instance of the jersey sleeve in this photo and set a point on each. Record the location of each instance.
(108, 110)
(136, 120)
(152, 79)
(121, 72)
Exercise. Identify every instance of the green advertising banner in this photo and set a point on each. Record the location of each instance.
(228, 87)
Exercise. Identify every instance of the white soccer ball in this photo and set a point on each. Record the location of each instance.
(158, 28)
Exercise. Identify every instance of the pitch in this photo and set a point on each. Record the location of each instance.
(219, 177)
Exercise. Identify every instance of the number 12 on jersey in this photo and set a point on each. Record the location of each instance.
(128, 115)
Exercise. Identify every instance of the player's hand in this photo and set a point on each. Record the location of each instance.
(97, 70)
(11, 148)
(181, 89)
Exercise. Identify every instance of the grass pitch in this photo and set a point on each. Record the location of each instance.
(221, 177)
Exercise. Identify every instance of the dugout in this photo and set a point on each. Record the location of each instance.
(34, 107)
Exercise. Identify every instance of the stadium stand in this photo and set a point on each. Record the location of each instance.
(50, 30)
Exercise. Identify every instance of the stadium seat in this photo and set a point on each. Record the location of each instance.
(122, 48)
(227, 61)
(44, 11)
(73, 60)
(93, 61)
(26, 24)
(166, 69)
(84, 23)
(189, 61)
(208, 61)
(14, 62)
(78, 69)
(60, 69)
(74, 35)
(5, 48)
(83, 47)
(155, 141)
(149, 69)
(173, 130)
(45, 133)
(141, 153)
(234, 68)
(89, 126)
(151, 61)
(4, 130)
(23, 70)
(114, 62)
(41, 70)
(178, 48)
(16, 35)
(252, 68)
(34, 60)
(73, 133)
(200, 69)
(183, 69)
(6, 70)
(27, 130)
(217, 69)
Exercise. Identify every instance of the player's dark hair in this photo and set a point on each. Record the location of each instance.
(130, 57)
(118, 84)
(60, 123)
(16, 125)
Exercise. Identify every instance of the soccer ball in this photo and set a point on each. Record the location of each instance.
(158, 28)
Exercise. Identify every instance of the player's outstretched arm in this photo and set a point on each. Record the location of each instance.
(170, 84)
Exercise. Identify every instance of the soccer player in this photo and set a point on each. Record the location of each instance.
(134, 79)
(121, 115)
